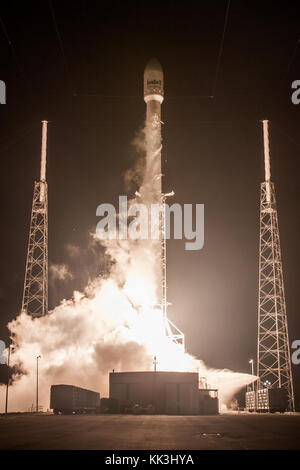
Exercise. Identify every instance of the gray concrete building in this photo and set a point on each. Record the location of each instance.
(158, 392)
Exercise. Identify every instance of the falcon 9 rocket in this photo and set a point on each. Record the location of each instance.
(154, 96)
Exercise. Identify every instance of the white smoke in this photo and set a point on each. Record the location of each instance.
(72, 250)
(115, 323)
(59, 272)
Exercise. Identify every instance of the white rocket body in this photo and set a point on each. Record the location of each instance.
(152, 185)
(153, 96)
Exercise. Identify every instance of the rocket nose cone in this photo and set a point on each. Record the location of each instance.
(153, 66)
(153, 81)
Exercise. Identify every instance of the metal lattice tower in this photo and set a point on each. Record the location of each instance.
(273, 351)
(172, 331)
(35, 293)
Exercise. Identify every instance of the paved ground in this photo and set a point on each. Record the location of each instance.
(227, 431)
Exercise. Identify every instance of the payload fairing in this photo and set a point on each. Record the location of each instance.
(153, 86)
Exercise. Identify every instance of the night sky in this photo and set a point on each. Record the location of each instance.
(79, 64)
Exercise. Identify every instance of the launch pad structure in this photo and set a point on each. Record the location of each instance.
(273, 351)
(35, 292)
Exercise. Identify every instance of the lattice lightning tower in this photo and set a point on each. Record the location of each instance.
(35, 294)
(273, 351)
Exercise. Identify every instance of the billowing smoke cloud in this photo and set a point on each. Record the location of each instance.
(72, 250)
(115, 323)
(59, 272)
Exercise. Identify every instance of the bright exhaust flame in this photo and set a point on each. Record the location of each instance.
(115, 323)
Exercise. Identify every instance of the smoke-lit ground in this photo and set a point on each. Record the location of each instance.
(116, 323)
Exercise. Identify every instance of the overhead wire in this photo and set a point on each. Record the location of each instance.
(292, 58)
(220, 51)
(61, 46)
(13, 139)
(291, 139)
(13, 50)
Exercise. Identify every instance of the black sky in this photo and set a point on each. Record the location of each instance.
(80, 65)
